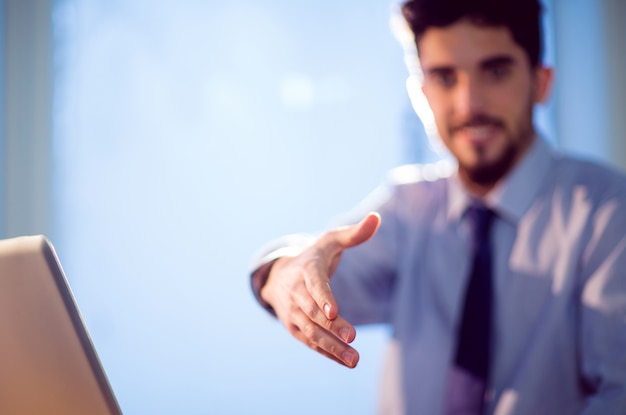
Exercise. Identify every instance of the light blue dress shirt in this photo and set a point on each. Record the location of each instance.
(559, 241)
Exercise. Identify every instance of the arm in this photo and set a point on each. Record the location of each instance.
(298, 291)
(603, 312)
(363, 283)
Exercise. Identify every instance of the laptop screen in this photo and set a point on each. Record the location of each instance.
(48, 364)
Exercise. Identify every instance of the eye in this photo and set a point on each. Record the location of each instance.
(445, 78)
(498, 72)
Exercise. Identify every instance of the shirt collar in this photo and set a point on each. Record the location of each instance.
(513, 195)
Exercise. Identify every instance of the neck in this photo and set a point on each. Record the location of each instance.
(479, 190)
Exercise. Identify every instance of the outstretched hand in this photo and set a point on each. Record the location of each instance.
(298, 289)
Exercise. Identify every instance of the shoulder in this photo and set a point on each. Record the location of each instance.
(425, 176)
(591, 192)
(597, 181)
(405, 191)
(420, 190)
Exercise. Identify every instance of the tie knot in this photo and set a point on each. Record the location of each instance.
(481, 217)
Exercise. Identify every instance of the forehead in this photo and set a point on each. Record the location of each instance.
(465, 45)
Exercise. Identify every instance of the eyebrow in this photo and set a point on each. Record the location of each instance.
(498, 60)
(439, 70)
(490, 62)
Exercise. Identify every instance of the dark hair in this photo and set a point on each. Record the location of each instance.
(521, 17)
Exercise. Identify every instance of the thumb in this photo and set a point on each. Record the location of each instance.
(334, 242)
(353, 235)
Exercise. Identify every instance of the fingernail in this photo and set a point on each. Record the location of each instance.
(345, 334)
(327, 310)
(348, 357)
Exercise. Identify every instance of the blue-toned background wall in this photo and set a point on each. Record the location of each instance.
(161, 143)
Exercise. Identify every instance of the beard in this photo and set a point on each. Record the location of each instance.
(488, 173)
(517, 140)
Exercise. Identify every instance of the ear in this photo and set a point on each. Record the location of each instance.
(425, 92)
(544, 77)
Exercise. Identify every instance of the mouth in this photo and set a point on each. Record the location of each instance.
(479, 128)
(478, 134)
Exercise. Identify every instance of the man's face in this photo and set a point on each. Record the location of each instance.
(481, 89)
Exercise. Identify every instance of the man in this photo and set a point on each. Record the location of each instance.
(505, 282)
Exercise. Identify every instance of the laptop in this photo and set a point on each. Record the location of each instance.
(48, 364)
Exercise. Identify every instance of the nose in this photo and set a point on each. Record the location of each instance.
(470, 98)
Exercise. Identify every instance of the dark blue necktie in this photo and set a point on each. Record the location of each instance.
(468, 376)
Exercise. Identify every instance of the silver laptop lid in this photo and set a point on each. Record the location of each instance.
(48, 364)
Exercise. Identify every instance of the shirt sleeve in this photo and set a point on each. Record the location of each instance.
(603, 310)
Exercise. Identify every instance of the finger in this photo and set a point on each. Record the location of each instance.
(337, 326)
(353, 235)
(331, 245)
(317, 283)
(322, 341)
